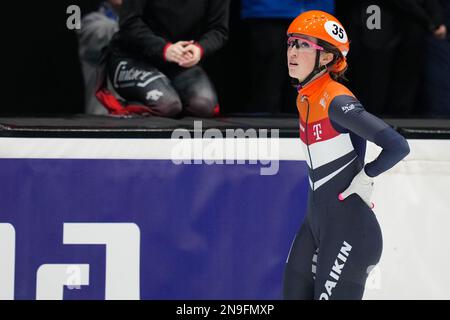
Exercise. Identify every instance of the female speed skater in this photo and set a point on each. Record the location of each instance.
(340, 239)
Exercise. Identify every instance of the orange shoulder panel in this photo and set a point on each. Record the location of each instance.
(320, 100)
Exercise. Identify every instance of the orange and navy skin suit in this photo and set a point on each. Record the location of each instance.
(339, 242)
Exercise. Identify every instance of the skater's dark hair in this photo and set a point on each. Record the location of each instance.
(336, 56)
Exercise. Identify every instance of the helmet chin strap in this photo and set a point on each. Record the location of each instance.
(317, 69)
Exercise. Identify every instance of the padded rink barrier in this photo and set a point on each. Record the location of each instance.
(100, 208)
(413, 207)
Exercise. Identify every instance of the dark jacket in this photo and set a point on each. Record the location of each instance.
(147, 26)
(398, 18)
(426, 12)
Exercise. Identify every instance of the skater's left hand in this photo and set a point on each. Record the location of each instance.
(362, 185)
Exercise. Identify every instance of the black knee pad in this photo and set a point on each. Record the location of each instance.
(170, 108)
(137, 82)
(201, 106)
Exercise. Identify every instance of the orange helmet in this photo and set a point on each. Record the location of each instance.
(323, 26)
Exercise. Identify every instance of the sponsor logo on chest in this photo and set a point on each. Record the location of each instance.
(317, 131)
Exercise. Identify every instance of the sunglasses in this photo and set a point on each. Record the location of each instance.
(303, 44)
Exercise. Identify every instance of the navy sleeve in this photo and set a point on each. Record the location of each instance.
(347, 114)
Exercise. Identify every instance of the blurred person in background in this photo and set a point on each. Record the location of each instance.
(266, 22)
(387, 63)
(153, 64)
(97, 30)
(436, 98)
